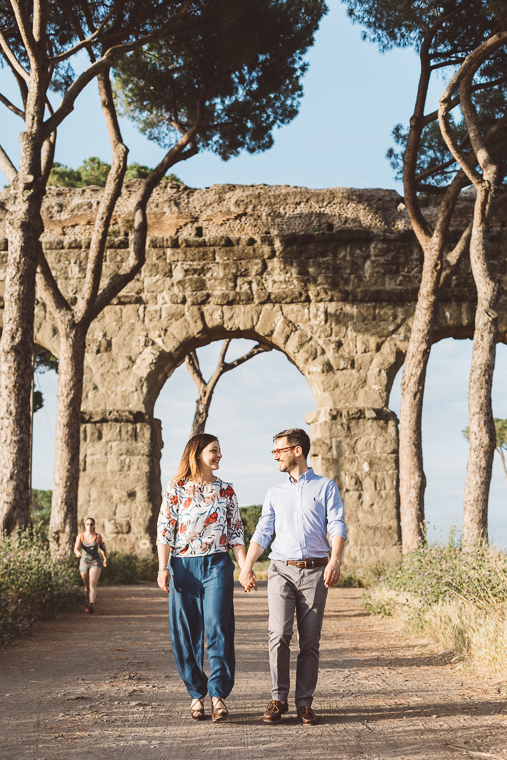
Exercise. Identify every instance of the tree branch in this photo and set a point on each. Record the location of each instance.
(258, 349)
(465, 75)
(40, 8)
(433, 116)
(7, 166)
(86, 42)
(48, 156)
(11, 106)
(138, 245)
(34, 53)
(105, 62)
(48, 152)
(12, 60)
(417, 219)
(452, 259)
(110, 195)
(51, 293)
(192, 364)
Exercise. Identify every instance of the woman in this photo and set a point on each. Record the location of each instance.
(89, 546)
(199, 522)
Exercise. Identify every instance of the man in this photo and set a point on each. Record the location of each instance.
(301, 511)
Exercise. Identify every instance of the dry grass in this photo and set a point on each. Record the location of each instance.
(457, 599)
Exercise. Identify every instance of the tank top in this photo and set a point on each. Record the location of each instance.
(90, 551)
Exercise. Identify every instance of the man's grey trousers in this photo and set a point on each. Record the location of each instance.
(301, 591)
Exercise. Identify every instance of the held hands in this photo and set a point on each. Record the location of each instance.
(332, 573)
(248, 579)
(163, 579)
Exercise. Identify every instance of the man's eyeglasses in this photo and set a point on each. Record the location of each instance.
(279, 451)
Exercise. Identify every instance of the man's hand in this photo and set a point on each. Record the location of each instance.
(332, 573)
(247, 579)
(163, 579)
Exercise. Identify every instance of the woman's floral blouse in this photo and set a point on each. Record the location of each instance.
(199, 519)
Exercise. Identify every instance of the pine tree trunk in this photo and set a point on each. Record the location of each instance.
(480, 413)
(201, 414)
(23, 229)
(412, 477)
(63, 523)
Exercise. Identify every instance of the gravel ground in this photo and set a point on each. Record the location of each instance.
(105, 686)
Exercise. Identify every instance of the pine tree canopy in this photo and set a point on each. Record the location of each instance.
(236, 73)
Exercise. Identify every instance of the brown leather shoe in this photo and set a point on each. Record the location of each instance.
(307, 715)
(219, 712)
(274, 711)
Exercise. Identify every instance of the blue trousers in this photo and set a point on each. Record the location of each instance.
(201, 599)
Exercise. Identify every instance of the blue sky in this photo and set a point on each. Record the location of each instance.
(353, 98)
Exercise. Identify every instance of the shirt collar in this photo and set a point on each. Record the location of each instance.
(308, 475)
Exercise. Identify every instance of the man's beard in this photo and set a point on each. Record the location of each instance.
(288, 465)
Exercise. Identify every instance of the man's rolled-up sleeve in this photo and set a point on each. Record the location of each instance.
(266, 525)
(335, 512)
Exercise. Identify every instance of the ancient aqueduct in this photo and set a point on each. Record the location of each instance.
(328, 277)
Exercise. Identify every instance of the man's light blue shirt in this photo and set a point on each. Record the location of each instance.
(301, 513)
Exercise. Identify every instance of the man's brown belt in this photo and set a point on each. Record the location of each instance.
(307, 563)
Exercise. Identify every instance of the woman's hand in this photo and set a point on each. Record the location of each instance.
(78, 554)
(104, 562)
(163, 579)
(247, 579)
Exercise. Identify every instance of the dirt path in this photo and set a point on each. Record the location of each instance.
(106, 687)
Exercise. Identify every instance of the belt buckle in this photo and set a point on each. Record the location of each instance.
(301, 565)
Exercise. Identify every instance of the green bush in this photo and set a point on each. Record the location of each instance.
(250, 517)
(40, 512)
(32, 585)
(439, 572)
(123, 568)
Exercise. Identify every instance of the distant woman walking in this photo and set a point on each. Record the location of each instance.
(89, 546)
(199, 522)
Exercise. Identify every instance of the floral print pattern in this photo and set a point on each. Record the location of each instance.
(197, 519)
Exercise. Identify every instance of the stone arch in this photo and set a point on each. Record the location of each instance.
(330, 277)
(268, 326)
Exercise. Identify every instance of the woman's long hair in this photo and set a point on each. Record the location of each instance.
(189, 466)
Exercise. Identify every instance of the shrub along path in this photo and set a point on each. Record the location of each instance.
(106, 686)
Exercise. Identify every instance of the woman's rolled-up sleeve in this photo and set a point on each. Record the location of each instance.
(235, 534)
(168, 516)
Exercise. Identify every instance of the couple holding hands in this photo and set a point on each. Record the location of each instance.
(199, 523)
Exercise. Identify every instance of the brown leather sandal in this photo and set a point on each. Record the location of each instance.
(197, 713)
(218, 714)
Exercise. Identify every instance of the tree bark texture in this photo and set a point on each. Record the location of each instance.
(480, 412)
(63, 523)
(202, 407)
(481, 425)
(24, 226)
(432, 242)
(412, 477)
